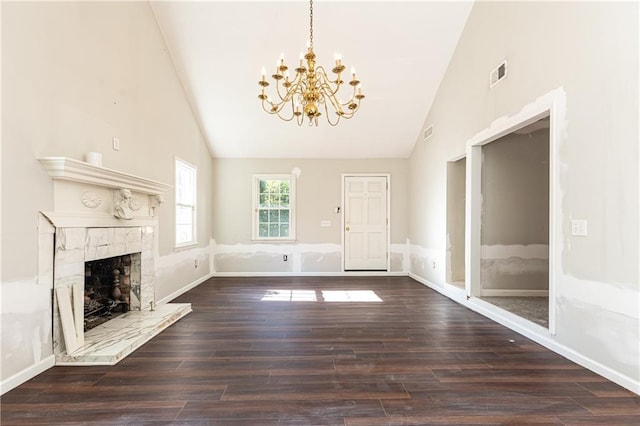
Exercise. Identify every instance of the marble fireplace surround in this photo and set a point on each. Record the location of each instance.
(89, 223)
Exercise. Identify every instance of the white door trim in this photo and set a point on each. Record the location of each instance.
(552, 104)
(342, 224)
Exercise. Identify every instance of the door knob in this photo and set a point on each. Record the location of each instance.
(347, 228)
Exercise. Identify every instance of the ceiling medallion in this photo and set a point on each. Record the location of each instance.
(311, 90)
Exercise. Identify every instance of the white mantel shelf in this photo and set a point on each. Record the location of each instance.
(64, 168)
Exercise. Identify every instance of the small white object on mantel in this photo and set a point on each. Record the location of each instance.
(79, 186)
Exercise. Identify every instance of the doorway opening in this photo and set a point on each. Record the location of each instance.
(365, 231)
(514, 222)
(456, 212)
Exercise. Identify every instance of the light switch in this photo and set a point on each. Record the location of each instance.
(325, 223)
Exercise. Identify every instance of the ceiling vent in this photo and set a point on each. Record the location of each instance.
(498, 74)
(428, 132)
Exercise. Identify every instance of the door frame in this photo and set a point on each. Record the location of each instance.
(388, 227)
(552, 105)
(458, 157)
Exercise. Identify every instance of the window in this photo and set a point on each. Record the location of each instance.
(185, 204)
(274, 207)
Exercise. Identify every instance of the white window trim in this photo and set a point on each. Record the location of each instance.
(255, 202)
(194, 241)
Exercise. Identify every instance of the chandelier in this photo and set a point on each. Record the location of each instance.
(311, 90)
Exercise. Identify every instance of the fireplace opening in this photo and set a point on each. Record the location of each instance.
(111, 288)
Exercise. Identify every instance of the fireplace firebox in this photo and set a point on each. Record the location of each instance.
(111, 288)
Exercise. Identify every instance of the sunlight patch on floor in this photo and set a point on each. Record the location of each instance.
(281, 295)
(289, 296)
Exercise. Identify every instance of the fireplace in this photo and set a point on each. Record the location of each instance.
(97, 251)
(111, 288)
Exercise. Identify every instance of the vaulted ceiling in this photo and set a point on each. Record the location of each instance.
(400, 51)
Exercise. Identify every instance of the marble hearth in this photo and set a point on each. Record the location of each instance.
(100, 213)
(110, 342)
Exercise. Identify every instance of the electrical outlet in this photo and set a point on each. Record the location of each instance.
(578, 228)
(116, 144)
(284, 257)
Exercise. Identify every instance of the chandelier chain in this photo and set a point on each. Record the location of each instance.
(311, 23)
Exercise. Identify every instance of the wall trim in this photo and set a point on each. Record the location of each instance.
(496, 292)
(184, 289)
(311, 274)
(27, 374)
(534, 332)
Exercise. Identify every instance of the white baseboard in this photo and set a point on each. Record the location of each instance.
(312, 274)
(452, 292)
(532, 331)
(495, 292)
(27, 374)
(184, 289)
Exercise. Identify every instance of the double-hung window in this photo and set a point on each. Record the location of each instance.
(274, 198)
(185, 203)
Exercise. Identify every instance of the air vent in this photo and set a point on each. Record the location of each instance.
(428, 132)
(498, 74)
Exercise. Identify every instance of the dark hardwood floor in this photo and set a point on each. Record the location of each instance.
(414, 358)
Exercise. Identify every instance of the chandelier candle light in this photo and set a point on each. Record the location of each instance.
(311, 89)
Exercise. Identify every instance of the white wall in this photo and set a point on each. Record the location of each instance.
(74, 75)
(572, 48)
(317, 249)
(515, 213)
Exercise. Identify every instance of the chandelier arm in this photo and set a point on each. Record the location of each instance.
(280, 116)
(326, 81)
(268, 110)
(336, 104)
(275, 108)
(352, 98)
(329, 91)
(333, 124)
(278, 91)
(285, 119)
(295, 87)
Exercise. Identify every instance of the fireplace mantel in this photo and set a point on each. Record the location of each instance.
(86, 195)
(64, 168)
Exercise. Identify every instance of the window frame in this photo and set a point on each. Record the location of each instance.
(178, 162)
(255, 206)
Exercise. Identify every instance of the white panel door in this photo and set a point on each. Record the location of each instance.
(365, 223)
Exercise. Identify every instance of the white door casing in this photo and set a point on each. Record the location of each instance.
(366, 222)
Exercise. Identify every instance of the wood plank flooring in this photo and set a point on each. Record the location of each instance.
(247, 356)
